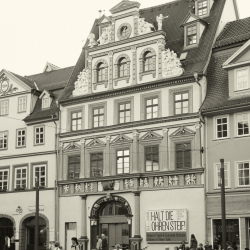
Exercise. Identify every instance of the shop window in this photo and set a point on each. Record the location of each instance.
(4, 107)
(243, 174)
(4, 179)
(39, 135)
(242, 124)
(226, 175)
(221, 127)
(242, 77)
(124, 112)
(21, 178)
(181, 101)
(152, 158)
(183, 155)
(3, 140)
(98, 117)
(96, 164)
(152, 107)
(76, 120)
(191, 35)
(21, 138)
(74, 167)
(22, 104)
(122, 161)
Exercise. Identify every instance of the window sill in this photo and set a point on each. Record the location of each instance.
(19, 189)
(105, 83)
(220, 139)
(116, 80)
(141, 74)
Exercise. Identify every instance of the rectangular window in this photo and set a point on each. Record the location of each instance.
(243, 174)
(4, 107)
(4, 176)
(76, 121)
(124, 112)
(122, 161)
(3, 140)
(45, 102)
(183, 155)
(98, 117)
(40, 173)
(22, 104)
(152, 107)
(241, 79)
(202, 7)
(221, 127)
(152, 158)
(21, 138)
(20, 178)
(96, 164)
(226, 175)
(242, 124)
(74, 167)
(39, 135)
(181, 103)
(191, 35)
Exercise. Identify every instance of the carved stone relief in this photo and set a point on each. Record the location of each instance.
(190, 179)
(173, 180)
(82, 83)
(144, 182)
(106, 35)
(144, 27)
(158, 181)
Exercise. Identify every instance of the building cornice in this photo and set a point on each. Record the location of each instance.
(28, 155)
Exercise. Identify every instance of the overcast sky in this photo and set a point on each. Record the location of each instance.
(33, 32)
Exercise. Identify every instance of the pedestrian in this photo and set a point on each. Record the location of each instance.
(98, 242)
(229, 246)
(193, 242)
(207, 246)
(57, 246)
(200, 247)
(182, 245)
(104, 242)
(75, 245)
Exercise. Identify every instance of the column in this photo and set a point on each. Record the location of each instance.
(82, 158)
(161, 46)
(136, 240)
(107, 158)
(90, 74)
(135, 152)
(60, 165)
(84, 239)
(164, 150)
(110, 80)
(243, 233)
(134, 65)
(197, 146)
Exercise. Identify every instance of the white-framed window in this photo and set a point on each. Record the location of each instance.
(4, 179)
(242, 125)
(45, 102)
(151, 158)
(221, 127)
(243, 170)
(40, 172)
(152, 107)
(21, 138)
(39, 135)
(4, 140)
(122, 161)
(191, 36)
(4, 107)
(22, 104)
(226, 175)
(202, 7)
(242, 81)
(181, 103)
(20, 177)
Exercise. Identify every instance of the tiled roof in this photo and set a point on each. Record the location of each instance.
(234, 32)
(177, 10)
(27, 81)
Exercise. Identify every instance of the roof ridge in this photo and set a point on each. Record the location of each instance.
(157, 6)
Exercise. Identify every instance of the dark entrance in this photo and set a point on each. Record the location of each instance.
(6, 229)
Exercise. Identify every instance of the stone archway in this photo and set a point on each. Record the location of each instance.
(22, 229)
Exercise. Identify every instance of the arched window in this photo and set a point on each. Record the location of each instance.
(122, 67)
(148, 61)
(100, 72)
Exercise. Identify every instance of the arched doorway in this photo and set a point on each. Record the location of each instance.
(6, 229)
(112, 217)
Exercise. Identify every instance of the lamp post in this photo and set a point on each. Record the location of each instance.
(37, 213)
(223, 208)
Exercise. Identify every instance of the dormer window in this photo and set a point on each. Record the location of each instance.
(202, 7)
(148, 61)
(242, 79)
(191, 35)
(45, 102)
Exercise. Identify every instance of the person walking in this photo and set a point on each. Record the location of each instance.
(57, 246)
(98, 242)
(182, 245)
(193, 242)
(75, 245)
(104, 242)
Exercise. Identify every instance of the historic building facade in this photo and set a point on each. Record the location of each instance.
(131, 162)
(226, 114)
(28, 128)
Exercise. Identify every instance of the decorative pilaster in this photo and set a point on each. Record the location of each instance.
(134, 65)
(60, 165)
(164, 149)
(107, 158)
(135, 152)
(82, 158)
(90, 73)
(110, 80)
(198, 146)
(112, 37)
(84, 239)
(136, 19)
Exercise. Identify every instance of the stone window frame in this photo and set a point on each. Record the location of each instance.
(73, 155)
(35, 143)
(105, 82)
(141, 63)
(19, 104)
(19, 129)
(2, 169)
(90, 113)
(117, 102)
(174, 91)
(143, 99)
(5, 132)
(69, 113)
(32, 177)
(173, 141)
(119, 30)
(237, 173)
(236, 71)
(7, 107)
(116, 66)
(19, 166)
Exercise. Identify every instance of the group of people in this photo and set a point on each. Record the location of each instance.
(102, 242)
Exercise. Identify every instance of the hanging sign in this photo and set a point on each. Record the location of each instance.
(166, 226)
